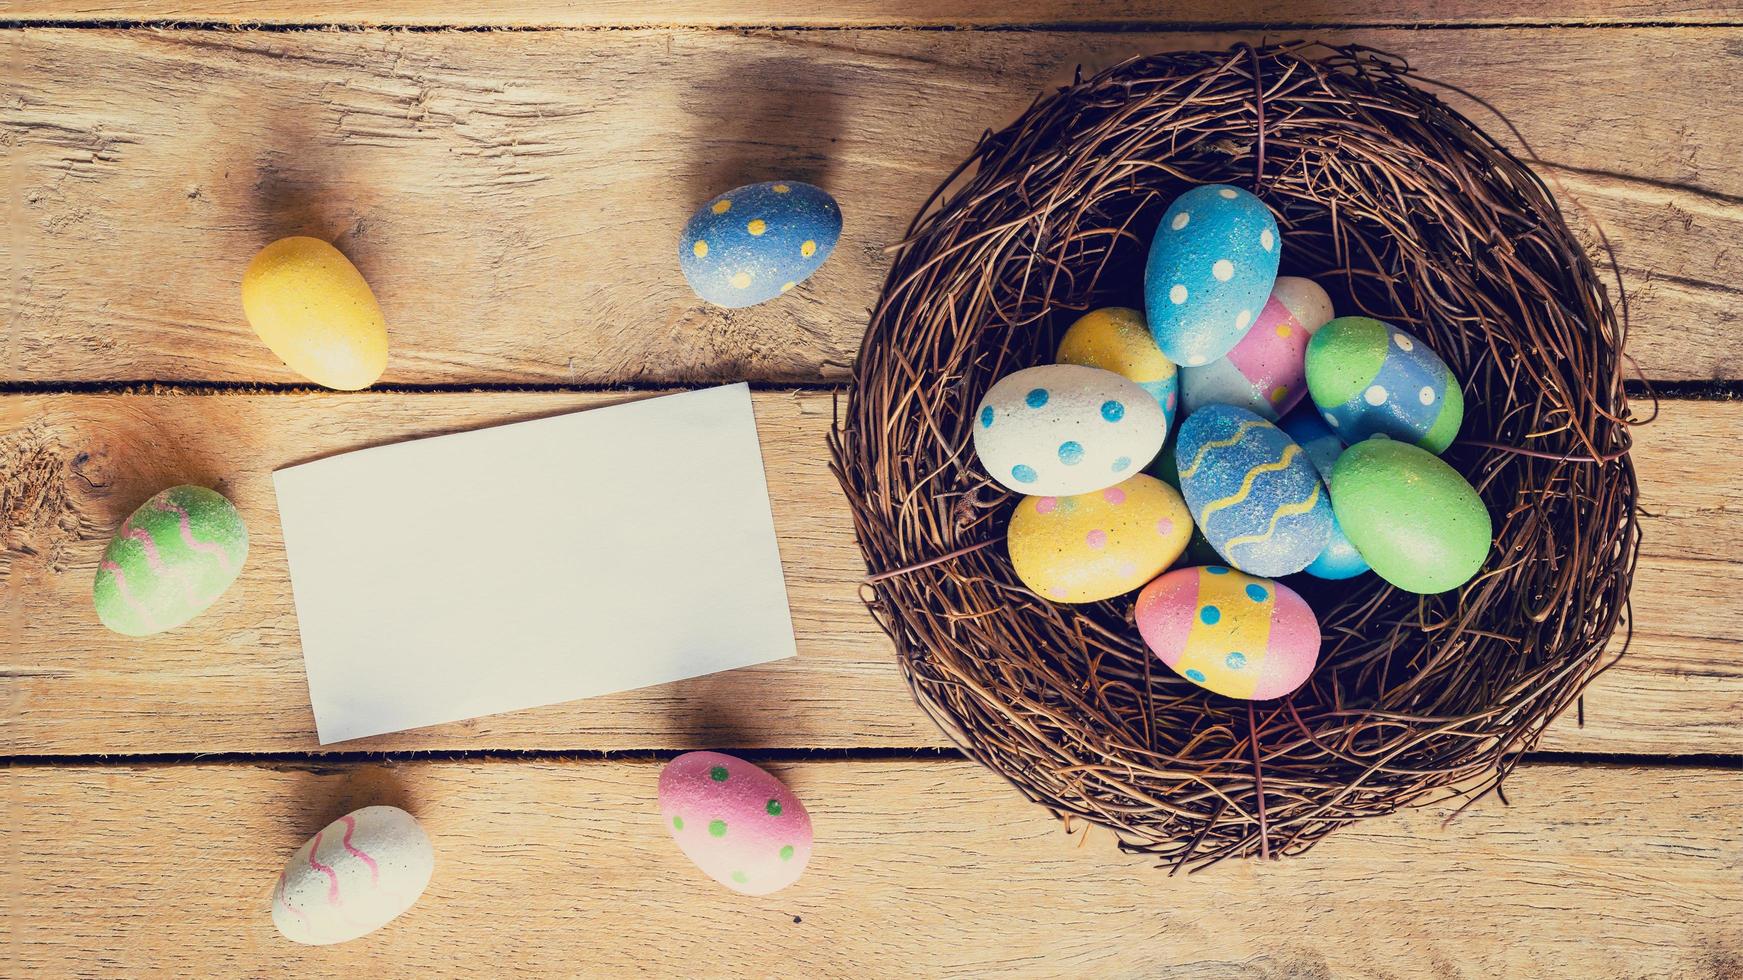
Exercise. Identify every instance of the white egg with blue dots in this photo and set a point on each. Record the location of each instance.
(1064, 429)
(754, 243)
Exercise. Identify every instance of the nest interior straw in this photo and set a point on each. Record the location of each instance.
(1403, 210)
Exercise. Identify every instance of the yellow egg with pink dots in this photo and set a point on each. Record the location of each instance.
(1098, 545)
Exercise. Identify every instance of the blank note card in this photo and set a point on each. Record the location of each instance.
(532, 563)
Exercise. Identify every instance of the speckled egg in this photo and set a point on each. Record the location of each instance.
(1266, 372)
(358, 874)
(1063, 429)
(1419, 523)
(1117, 339)
(311, 307)
(743, 827)
(1212, 265)
(1252, 491)
(1234, 634)
(1370, 378)
(1339, 559)
(749, 245)
(1095, 546)
(170, 560)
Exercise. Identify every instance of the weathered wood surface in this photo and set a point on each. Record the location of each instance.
(922, 869)
(512, 196)
(892, 13)
(73, 466)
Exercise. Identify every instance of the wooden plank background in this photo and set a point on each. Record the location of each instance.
(512, 197)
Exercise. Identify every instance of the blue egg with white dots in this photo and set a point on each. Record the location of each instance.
(1211, 268)
(1252, 491)
(1059, 430)
(751, 244)
(1339, 559)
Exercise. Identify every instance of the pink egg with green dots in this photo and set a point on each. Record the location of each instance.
(743, 827)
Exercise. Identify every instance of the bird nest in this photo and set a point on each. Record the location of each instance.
(1404, 211)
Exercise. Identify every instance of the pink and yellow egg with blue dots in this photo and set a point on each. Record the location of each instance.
(754, 243)
(1230, 633)
(739, 824)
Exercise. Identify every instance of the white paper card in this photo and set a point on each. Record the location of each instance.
(532, 563)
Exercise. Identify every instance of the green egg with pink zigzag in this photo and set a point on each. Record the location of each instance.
(170, 560)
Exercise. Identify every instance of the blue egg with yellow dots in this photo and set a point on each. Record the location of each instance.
(751, 244)
(1252, 490)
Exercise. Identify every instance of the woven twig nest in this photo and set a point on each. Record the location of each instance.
(1404, 211)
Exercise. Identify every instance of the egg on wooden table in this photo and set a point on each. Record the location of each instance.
(1211, 267)
(1370, 378)
(312, 308)
(1063, 429)
(754, 243)
(1231, 633)
(1417, 522)
(1252, 491)
(1098, 545)
(1117, 339)
(171, 559)
(359, 873)
(1266, 371)
(743, 827)
(1339, 559)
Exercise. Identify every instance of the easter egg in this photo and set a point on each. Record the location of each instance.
(1414, 518)
(1265, 373)
(1339, 559)
(1063, 429)
(1370, 378)
(1231, 633)
(1211, 266)
(1098, 545)
(743, 827)
(1198, 550)
(311, 307)
(1117, 339)
(171, 559)
(1251, 490)
(751, 244)
(355, 876)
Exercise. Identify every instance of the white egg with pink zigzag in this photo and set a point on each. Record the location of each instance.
(355, 876)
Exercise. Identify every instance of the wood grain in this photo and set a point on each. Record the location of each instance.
(513, 196)
(921, 869)
(892, 13)
(73, 466)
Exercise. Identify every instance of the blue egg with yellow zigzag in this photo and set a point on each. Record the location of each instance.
(1252, 491)
(751, 244)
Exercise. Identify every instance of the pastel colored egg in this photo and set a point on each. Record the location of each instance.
(743, 827)
(312, 308)
(1418, 522)
(751, 244)
(1265, 373)
(1339, 559)
(1117, 339)
(1252, 491)
(1198, 549)
(359, 873)
(1230, 633)
(1058, 430)
(1098, 545)
(1370, 378)
(170, 560)
(1211, 267)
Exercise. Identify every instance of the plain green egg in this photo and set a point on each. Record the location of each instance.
(1415, 520)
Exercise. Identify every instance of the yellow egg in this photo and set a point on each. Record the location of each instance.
(1117, 339)
(1098, 545)
(310, 305)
